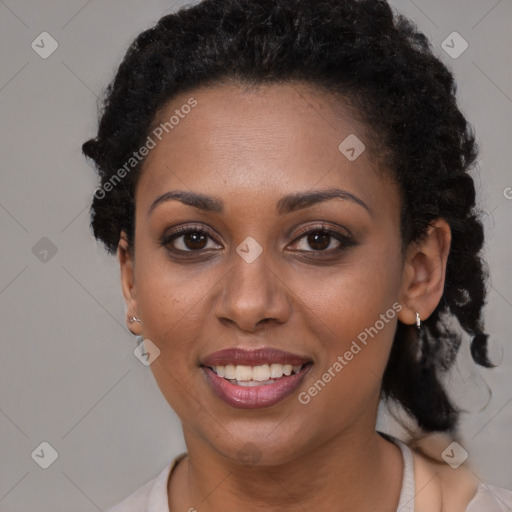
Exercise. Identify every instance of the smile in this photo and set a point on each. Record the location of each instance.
(263, 374)
(254, 379)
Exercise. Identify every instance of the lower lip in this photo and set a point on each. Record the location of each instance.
(255, 397)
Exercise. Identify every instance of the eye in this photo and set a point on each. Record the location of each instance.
(189, 239)
(322, 239)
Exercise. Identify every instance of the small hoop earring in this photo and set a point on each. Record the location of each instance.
(418, 320)
(134, 319)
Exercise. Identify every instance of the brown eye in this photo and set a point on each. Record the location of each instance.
(189, 240)
(319, 240)
(195, 240)
(322, 240)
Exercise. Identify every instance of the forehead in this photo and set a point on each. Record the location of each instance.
(265, 140)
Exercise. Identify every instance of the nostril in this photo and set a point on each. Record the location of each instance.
(263, 322)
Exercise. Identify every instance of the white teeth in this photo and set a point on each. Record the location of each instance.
(276, 371)
(249, 383)
(287, 369)
(254, 375)
(261, 373)
(243, 372)
(229, 371)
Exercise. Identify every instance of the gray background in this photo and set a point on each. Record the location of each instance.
(68, 375)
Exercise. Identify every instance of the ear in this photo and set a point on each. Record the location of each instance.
(125, 257)
(424, 273)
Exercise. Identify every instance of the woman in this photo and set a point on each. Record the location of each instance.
(286, 186)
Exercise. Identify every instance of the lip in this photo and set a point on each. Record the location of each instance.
(255, 357)
(255, 397)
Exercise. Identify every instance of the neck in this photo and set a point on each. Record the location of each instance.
(355, 470)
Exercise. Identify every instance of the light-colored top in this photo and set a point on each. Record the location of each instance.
(152, 497)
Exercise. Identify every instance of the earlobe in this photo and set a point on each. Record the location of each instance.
(424, 273)
(125, 257)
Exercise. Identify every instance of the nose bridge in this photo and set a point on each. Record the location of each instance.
(254, 279)
(253, 291)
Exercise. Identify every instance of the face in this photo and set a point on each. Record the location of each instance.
(266, 270)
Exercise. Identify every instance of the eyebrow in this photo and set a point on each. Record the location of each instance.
(301, 200)
(286, 204)
(195, 199)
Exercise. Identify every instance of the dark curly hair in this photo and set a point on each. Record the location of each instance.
(385, 69)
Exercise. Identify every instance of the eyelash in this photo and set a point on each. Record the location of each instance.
(181, 231)
(345, 241)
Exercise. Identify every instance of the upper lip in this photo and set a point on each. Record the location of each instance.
(254, 357)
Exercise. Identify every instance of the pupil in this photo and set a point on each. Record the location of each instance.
(196, 240)
(321, 239)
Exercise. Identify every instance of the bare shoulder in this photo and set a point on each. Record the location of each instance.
(439, 486)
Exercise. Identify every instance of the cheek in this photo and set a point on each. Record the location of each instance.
(353, 311)
(167, 292)
(342, 302)
(173, 302)
(346, 381)
(174, 306)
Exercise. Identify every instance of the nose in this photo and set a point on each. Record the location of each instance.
(253, 296)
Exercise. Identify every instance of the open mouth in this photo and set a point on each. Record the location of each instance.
(254, 387)
(255, 378)
(260, 375)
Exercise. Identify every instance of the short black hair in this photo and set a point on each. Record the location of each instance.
(386, 69)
